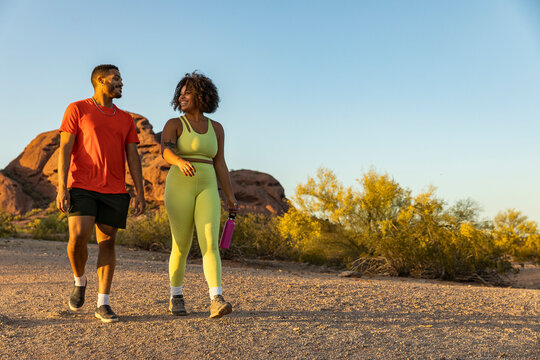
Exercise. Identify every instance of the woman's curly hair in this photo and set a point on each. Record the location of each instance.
(206, 94)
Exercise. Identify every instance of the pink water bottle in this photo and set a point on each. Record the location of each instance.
(228, 229)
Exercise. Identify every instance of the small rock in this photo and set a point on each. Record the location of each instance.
(350, 274)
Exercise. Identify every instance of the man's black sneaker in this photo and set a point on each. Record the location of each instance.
(105, 314)
(176, 305)
(76, 299)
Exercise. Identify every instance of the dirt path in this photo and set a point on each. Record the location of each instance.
(278, 314)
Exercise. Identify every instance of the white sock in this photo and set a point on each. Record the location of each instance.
(176, 290)
(80, 281)
(102, 299)
(215, 291)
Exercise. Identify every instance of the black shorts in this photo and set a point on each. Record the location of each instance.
(108, 209)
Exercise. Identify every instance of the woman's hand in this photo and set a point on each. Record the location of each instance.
(186, 167)
(232, 206)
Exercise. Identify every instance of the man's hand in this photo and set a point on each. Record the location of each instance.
(63, 200)
(135, 169)
(139, 204)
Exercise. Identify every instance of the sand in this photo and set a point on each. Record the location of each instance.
(281, 311)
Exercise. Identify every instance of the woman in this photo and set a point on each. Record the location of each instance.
(193, 145)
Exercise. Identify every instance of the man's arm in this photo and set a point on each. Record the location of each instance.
(63, 201)
(135, 168)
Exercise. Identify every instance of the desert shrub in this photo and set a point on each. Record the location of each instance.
(518, 236)
(303, 233)
(257, 235)
(254, 236)
(530, 250)
(466, 210)
(330, 223)
(51, 208)
(6, 224)
(33, 212)
(426, 241)
(415, 235)
(51, 227)
(326, 221)
(314, 240)
(150, 231)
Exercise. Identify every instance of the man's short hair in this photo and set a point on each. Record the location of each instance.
(101, 70)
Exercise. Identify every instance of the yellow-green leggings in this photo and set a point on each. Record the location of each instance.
(194, 201)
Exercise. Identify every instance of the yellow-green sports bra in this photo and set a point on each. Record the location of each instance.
(191, 144)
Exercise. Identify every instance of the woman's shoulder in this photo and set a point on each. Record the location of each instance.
(174, 120)
(173, 125)
(218, 129)
(216, 125)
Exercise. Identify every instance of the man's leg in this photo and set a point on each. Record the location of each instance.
(105, 235)
(80, 230)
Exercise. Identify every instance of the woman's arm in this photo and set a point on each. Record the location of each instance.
(171, 132)
(222, 172)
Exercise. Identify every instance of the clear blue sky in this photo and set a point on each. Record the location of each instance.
(442, 93)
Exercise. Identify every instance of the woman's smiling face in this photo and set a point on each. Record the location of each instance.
(187, 99)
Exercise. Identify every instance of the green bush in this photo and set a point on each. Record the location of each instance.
(150, 231)
(34, 211)
(517, 235)
(6, 225)
(52, 227)
(425, 241)
(254, 236)
(257, 235)
(416, 236)
(312, 240)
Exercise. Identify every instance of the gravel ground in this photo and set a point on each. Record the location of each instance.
(281, 311)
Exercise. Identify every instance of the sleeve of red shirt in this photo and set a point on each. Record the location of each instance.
(70, 122)
(132, 133)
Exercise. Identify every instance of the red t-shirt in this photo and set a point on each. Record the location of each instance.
(98, 160)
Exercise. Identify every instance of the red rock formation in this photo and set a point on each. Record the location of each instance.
(12, 198)
(36, 168)
(258, 192)
(35, 171)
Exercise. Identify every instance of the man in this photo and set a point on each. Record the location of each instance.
(95, 139)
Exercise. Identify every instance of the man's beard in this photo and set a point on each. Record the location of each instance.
(113, 91)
